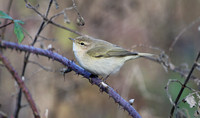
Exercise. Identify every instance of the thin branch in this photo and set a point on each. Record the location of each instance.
(167, 89)
(167, 64)
(48, 9)
(50, 21)
(65, 28)
(80, 20)
(44, 38)
(183, 86)
(56, 4)
(26, 57)
(183, 31)
(60, 13)
(21, 85)
(41, 66)
(70, 64)
(6, 24)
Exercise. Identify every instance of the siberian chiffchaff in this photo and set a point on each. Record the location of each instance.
(101, 57)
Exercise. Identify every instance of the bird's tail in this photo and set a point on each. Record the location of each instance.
(145, 55)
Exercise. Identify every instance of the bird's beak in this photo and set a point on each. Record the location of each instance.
(71, 39)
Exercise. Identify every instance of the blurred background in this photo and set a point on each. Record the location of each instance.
(135, 25)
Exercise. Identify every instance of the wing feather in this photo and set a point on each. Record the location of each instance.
(101, 51)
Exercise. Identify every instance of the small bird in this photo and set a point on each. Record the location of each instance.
(100, 57)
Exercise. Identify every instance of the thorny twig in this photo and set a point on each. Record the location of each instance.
(21, 84)
(94, 80)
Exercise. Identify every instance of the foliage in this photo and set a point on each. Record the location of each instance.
(18, 30)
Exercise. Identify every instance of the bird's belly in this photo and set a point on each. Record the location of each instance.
(102, 66)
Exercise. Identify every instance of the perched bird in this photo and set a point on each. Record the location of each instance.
(101, 57)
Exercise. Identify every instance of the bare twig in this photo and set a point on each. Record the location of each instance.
(62, 12)
(167, 64)
(183, 31)
(183, 87)
(41, 66)
(65, 28)
(50, 21)
(6, 24)
(26, 57)
(80, 21)
(167, 89)
(21, 85)
(94, 80)
(44, 38)
(56, 4)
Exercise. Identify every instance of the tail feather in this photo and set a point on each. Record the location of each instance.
(145, 55)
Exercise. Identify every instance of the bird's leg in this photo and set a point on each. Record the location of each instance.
(65, 71)
(92, 76)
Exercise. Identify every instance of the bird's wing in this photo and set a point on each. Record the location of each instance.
(101, 51)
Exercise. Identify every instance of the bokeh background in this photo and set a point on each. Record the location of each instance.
(128, 23)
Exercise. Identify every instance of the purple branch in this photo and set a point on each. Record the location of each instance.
(70, 64)
(21, 84)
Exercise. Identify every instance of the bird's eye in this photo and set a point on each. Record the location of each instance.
(82, 43)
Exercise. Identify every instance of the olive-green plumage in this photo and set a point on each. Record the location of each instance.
(101, 57)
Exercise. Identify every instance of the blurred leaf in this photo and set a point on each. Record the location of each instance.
(18, 30)
(5, 16)
(19, 21)
(191, 100)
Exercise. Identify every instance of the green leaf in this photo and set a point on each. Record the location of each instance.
(5, 16)
(19, 21)
(18, 30)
